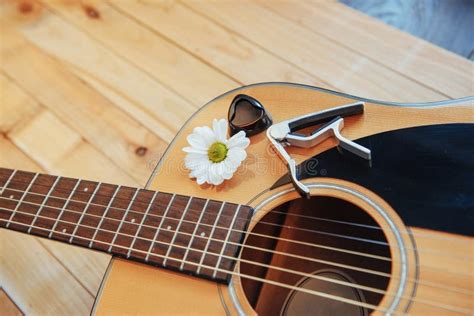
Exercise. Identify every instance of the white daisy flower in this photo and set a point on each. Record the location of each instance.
(211, 157)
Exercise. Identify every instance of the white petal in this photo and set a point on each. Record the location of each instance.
(195, 150)
(196, 155)
(238, 140)
(195, 164)
(207, 135)
(202, 179)
(220, 129)
(236, 155)
(226, 170)
(197, 141)
(214, 177)
(201, 171)
(230, 166)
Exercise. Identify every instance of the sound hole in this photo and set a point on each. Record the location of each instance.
(299, 227)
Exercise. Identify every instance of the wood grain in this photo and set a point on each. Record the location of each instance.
(233, 54)
(113, 77)
(164, 61)
(349, 70)
(7, 306)
(403, 52)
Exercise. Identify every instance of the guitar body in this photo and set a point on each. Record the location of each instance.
(428, 268)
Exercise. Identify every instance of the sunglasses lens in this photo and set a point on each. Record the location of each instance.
(248, 115)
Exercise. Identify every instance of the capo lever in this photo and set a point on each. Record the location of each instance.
(284, 134)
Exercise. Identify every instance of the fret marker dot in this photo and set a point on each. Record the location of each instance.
(133, 220)
(12, 196)
(64, 230)
(203, 234)
(168, 228)
(86, 189)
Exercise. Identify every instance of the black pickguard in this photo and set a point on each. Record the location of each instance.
(425, 173)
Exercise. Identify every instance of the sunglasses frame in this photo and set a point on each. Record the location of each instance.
(251, 128)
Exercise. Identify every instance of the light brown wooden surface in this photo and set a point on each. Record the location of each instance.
(97, 90)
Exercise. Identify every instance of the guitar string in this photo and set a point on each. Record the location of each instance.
(296, 215)
(276, 283)
(330, 280)
(209, 225)
(317, 293)
(134, 201)
(261, 235)
(308, 244)
(152, 241)
(424, 250)
(381, 227)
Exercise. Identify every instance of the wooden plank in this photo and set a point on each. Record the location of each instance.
(45, 138)
(345, 69)
(12, 157)
(60, 150)
(98, 167)
(7, 306)
(437, 68)
(190, 77)
(15, 105)
(88, 266)
(231, 53)
(26, 267)
(149, 97)
(123, 140)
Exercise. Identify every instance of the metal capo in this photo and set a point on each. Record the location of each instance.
(283, 134)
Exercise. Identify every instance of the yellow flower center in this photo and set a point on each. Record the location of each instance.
(217, 152)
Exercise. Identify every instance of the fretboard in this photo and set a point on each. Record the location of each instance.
(192, 235)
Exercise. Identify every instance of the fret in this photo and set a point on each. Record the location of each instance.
(115, 217)
(72, 210)
(176, 231)
(209, 239)
(149, 228)
(217, 242)
(107, 208)
(153, 198)
(219, 259)
(88, 203)
(193, 235)
(93, 213)
(203, 233)
(46, 210)
(159, 227)
(43, 203)
(33, 198)
(5, 186)
(22, 198)
(123, 218)
(131, 223)
(4, 199)
(64, 207)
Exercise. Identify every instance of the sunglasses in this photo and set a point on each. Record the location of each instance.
(247, 114)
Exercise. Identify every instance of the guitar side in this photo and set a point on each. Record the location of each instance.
(133, 288)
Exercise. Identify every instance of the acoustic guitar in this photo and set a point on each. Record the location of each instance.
(392, 236)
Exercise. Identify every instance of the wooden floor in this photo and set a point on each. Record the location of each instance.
(98, 90)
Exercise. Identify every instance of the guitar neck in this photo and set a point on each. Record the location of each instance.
(193, 235)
